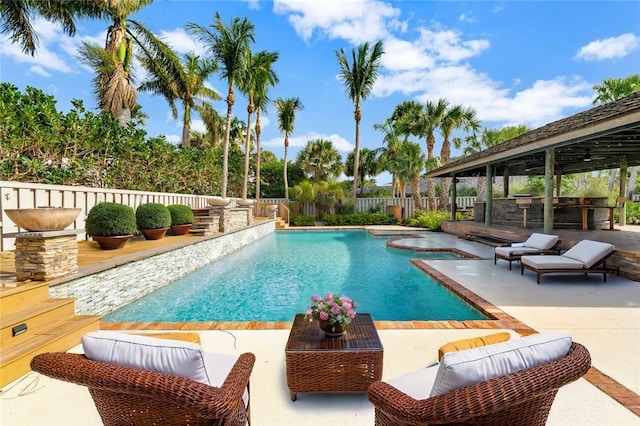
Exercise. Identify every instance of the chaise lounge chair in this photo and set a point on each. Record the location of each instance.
(149, 381)
(498, 385)
(535, 244)
(586, 257)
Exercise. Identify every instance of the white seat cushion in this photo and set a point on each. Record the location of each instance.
(512, 251)
(417, 384)
(551, 262)
(589, 252)
(464, 368)
(541, 241)
(176, 357)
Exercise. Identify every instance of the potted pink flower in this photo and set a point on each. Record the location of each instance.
(333, 312)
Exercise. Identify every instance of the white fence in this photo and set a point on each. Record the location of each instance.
(16, 195)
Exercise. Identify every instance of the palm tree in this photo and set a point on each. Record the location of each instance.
(16, 17)
(214, 123)
(358, 79)
(175, 80)
(258, 73)
(392, 141)
(408, 165)
(229, 46)
(287, 109)
(261, 101)
(612, 89)
(456, 117)
(113, 84)
(320, 159)
(370, 165)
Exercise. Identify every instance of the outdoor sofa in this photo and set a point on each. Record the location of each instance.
(586, 257)
(140, 380)
(536, 244)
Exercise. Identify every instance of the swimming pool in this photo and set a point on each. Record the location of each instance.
(274, 278)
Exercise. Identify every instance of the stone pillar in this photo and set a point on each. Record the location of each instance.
(43, 256)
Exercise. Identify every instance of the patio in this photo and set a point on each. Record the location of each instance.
(604, 317)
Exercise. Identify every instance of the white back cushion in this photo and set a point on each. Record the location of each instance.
(541, 241)
(417, 384)
(468, 367)
(174, 357)
(589, 252)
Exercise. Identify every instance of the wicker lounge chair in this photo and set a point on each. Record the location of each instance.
(586, 257)
(521, 398)
(535, 244)
(131, 396)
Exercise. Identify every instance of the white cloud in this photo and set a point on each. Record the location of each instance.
(37, 69)
(609, 48)
(298, 141)
(174, 139)
(182, 42)
(467, 17)
(355, 20)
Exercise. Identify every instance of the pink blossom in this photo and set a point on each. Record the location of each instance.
(316, 299)
(335, 309)
(324, 316)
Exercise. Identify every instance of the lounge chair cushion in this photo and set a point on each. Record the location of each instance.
(589, 252)
(464, 368)
(509, 251)
(475, 342)
(417, 384)
(541, 241)
(179, 358)
(551, 262)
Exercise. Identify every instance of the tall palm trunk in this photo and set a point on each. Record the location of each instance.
(245, 181)
(227, 136)
(258, 129)
(186, 126)
(445, 183)
(356, 157)
(431, 184)
(286, 179)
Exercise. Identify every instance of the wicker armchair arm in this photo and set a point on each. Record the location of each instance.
(208, 401)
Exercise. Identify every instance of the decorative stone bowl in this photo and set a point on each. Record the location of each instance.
(245, 202)
(43, 219)
(218, 201)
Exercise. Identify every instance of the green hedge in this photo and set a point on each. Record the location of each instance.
(180, 214)
(359, 219)
(153, 216)
(302, 220)
(110, 219)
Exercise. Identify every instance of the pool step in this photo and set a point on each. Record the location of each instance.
(281, 224)
(32, 323)
(205, 224)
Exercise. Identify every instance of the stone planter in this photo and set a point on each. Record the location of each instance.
(218, 201)
(111, 243)
(154, 234)
(43, 219)
(245, 202)
(180, 229)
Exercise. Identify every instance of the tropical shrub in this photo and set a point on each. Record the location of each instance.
(430, 219)
(110, 219)
(359, 219)
(153, 216)
(180, 214)
(303, 220)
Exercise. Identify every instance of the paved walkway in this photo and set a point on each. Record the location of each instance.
(604, 317)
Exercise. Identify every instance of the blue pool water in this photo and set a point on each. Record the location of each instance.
(274, 278)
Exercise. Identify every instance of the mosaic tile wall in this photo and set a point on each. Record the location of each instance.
(103, 292)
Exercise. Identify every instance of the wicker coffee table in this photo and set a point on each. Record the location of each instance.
(316, 363)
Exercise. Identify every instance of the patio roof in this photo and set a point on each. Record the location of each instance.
(596, 139)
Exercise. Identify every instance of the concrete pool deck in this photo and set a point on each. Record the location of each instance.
(603, 317)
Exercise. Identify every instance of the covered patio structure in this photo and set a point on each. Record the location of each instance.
(602, 138)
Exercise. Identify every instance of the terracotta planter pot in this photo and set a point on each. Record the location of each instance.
(111, 243)
(180, 229)
(154, 234)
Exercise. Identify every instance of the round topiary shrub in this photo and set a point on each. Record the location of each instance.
(110, 219)
(180, 214)
(153, 216)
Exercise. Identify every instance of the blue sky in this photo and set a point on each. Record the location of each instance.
(514, 62)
